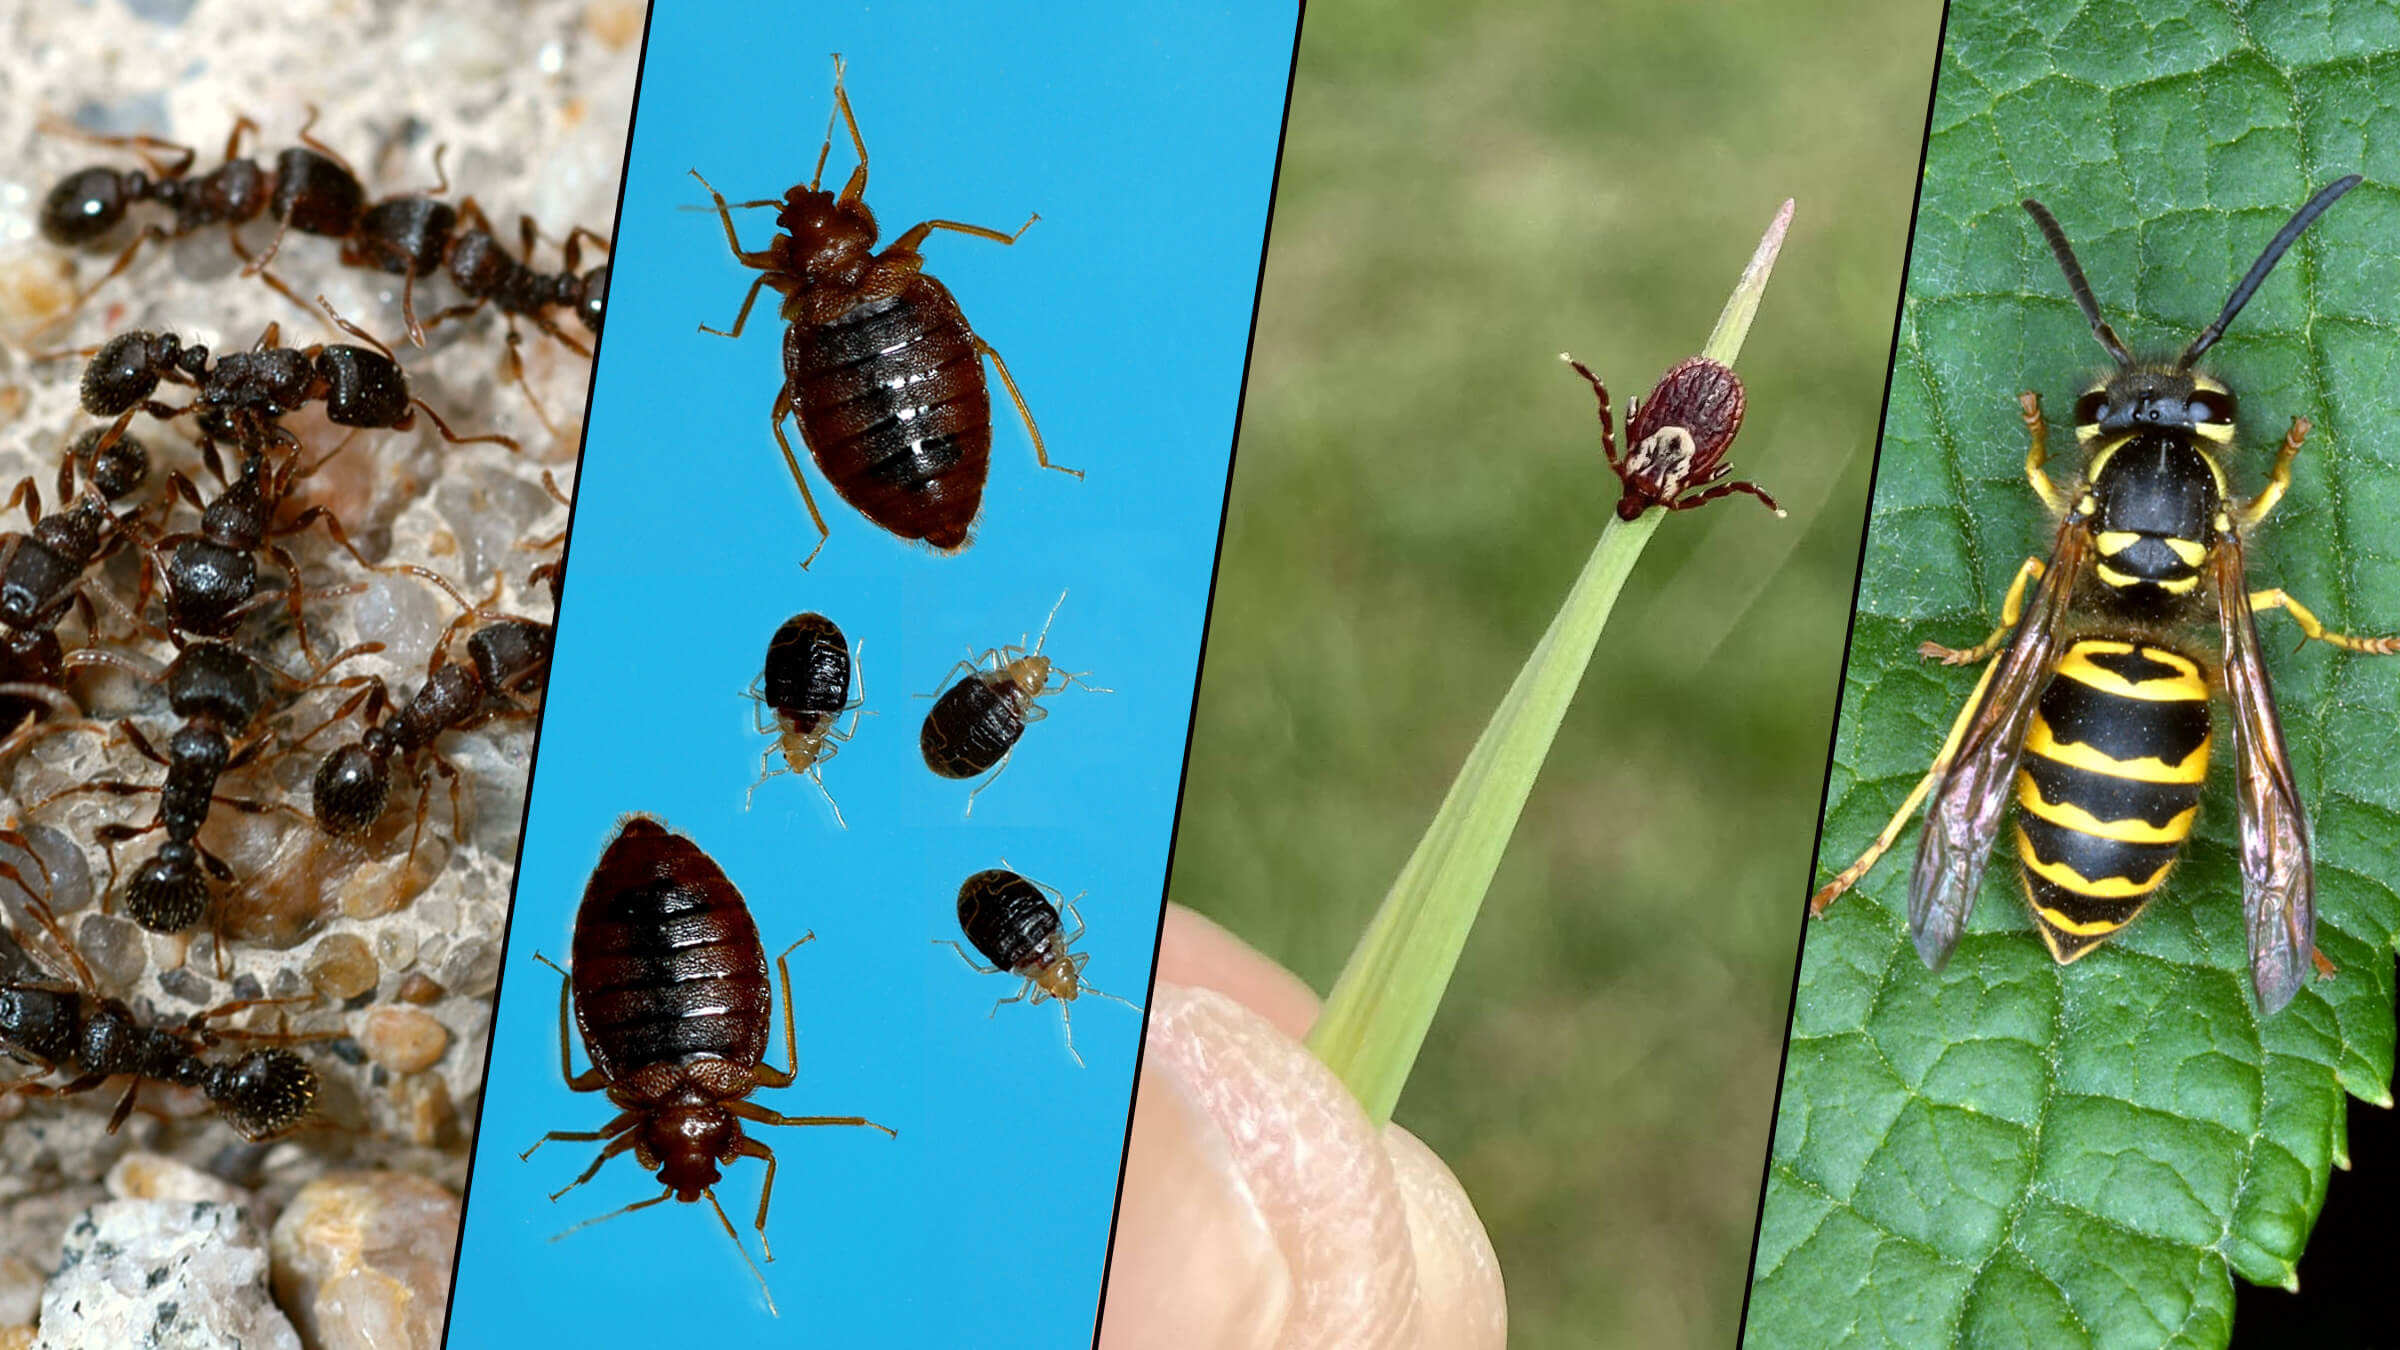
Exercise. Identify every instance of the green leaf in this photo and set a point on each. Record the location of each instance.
(2013, 1152)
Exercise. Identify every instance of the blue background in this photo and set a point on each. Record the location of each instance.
(1147, 143)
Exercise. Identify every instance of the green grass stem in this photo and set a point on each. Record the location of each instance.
(1375, 1021)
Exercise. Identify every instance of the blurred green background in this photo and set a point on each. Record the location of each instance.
(1467, 191)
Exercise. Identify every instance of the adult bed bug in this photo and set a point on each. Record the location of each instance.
(669, 989)
(2093, 716)
(1017, 929)
(881, 370)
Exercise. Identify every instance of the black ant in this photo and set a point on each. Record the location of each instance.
(242, 396)
(53, 1023)
(41, 573)
(218, 691)
(309, 189)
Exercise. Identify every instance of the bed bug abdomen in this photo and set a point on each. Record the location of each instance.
(892, 402)
(975, 722)
(668, 964)
(1011, 922)
(807, 676)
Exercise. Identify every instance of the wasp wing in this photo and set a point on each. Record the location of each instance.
(2279, 891)
(1962, 816)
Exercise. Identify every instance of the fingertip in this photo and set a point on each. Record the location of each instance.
(1462, 1303)
(1194, 951)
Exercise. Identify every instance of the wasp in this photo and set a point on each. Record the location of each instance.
(2093, 714)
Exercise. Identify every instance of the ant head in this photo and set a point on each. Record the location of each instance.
(264, 1093)
(593, 301)
(350, 790)
(168, 894)
(125, 371)
(687, 1143)
(84, 205)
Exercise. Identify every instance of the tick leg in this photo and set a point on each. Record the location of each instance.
(2012, 608)
(2280, 477)
(783, 408)
(1818, 903)
(1724, 490)
(2277, 599)
(2037, 453)
(1608, 429)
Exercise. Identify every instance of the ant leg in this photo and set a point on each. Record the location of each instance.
(784, 407)
(1608, 429)
(408, 419)
(516, 373)
(148, 234)
(574, 254)
(1040, 453)
(559, 335)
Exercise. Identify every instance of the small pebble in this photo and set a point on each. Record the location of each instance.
(421, 988)
(342, 968)
(362, 1260)
(150, 1176)
(404, 1040)
(162, 1272)
(425, 1107)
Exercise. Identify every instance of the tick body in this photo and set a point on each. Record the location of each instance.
(806, 686)
(669, 990)
(1675, 441)
(881, 369)
(975, 724)
(1014, 925)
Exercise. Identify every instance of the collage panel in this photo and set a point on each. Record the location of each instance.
(2105, 1104)
(280, 408)
(1466, 192)
(743, 746)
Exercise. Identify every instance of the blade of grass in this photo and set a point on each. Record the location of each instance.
(1375, 1021)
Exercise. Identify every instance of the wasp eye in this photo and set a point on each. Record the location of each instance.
(2091, 408)
(2212, 408)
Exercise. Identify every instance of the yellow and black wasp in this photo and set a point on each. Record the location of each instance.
(2094, 715)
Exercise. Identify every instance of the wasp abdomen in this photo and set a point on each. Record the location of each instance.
(892, 401)
(2110, 784)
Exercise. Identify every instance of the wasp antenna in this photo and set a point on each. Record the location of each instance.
(2082, 288)
(2276, 247)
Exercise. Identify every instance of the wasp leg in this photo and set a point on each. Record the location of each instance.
(2037, 453)
(2011, 610)
(2277, 599)
(1818, 903)
(2280, 477)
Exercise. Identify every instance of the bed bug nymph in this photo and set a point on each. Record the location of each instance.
(1676, 439)
(806, 683)
(880, 368)
(670, 991)
(975, 724)
(1017, 929)
(2093, 716)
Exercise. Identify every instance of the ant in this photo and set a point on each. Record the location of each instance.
(310, 189)
(242, 396)
(41, 572)
(354, 783)
(219, 692)
(53, 1023)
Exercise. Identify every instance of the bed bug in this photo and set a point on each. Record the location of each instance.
(1016, 927)
(1675, 441)
(669, 989)
(806, 684)
(974, 725)
(2093, 716)
(881, 370)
